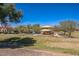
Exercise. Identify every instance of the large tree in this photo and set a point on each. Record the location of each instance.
(9, 14)
(68, 26)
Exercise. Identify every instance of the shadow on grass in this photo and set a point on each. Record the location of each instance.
(17, 42)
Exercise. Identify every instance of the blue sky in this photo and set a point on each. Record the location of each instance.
(47, 13)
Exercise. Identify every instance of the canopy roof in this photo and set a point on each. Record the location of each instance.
(47, 26)
(46, 30)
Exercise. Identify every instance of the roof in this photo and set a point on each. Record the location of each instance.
(77, 29)
(47, 26)
(7, 27)
(46, 30)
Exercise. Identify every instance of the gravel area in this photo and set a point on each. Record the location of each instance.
(29, 52)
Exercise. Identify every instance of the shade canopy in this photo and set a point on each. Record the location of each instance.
(46, 30)
(47, 26)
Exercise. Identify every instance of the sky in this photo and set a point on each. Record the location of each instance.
(48, 13)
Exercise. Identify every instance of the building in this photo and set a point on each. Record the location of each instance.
(77, 29)
(46, 30)
(6, 29)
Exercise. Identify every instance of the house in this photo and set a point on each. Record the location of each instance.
(6, 29)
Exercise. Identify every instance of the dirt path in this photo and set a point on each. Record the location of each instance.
(29, 52)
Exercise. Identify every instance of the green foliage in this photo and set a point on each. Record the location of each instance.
(68, 26)
(36, 28)
(17, 42)
(21, 29)
(9, 13)
(29, 27)
(56, 28)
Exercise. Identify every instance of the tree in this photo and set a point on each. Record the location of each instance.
(20, 29)
(68, 26)
(36, 28)
(56, 28)
(29, 27)
(9, 14)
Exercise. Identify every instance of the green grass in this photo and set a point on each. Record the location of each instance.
(64, 50)
(58, 49)
(49, 43)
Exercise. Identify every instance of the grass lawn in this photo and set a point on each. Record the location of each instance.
(46, 42)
